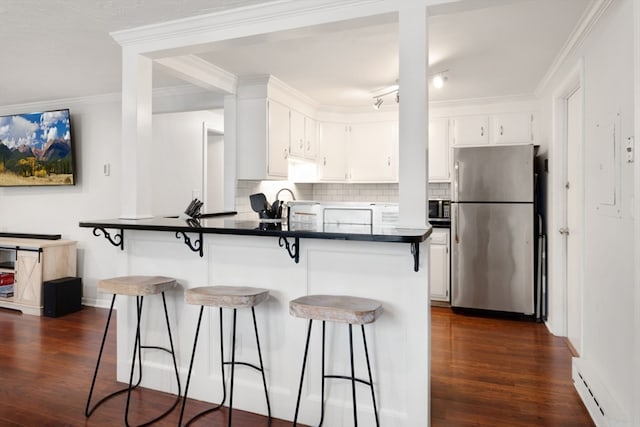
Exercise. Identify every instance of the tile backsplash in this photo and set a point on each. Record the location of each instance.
(326, 192)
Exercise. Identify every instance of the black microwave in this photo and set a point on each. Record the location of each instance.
(439, 209)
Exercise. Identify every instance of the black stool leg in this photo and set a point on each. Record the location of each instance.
(323, 377)
(138, 350)
(193, 353)
(304, 364)
(264, 379)
(87, 411)
(233, 365)
(224, 386)
(173, 355)
(373, 395)
(353, 378)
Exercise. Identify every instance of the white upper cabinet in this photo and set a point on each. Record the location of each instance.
(512, 128)
(311, 138)
(372, 152)
(439, 150)
(297, 147)
(278, 140)
(304, 137)
(470, 130)
(332, 151)
(502, 128)
(263, 139)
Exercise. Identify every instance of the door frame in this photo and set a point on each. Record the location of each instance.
(557, 201)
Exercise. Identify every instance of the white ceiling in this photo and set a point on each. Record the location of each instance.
(62, 48)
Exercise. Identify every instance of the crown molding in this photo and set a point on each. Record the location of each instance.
(199, 72)
(583, 28)
(50, 104)
(191, 32)
(491, 100)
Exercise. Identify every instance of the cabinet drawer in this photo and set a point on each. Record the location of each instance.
(440, 237)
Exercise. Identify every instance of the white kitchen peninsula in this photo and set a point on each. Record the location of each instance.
(378, 263)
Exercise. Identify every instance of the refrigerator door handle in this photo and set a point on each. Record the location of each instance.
(455, 222)
(456, 167)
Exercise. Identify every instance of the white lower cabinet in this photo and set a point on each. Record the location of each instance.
(439, 265)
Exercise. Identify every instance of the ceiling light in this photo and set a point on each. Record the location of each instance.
(377, 103)
(439, 79)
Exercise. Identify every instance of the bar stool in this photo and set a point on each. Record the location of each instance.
(138, 286)
(339, 309)
(233, 297)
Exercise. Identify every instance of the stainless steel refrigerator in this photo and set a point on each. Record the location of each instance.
(492, 226)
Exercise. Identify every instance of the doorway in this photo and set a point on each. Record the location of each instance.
(573, 232)
(213, 169)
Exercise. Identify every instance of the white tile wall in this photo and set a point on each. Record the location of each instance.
(325, 192)
(270, 188)
(371, 192)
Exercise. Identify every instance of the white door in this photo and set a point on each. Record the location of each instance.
(573, 231)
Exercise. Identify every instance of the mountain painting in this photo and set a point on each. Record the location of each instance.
(35, 149)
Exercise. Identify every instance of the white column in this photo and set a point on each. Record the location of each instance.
(136, 136)
(230, 129)
(636, 221)
(414, 59)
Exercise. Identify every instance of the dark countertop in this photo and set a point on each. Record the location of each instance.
(221, 225)
(440, 222)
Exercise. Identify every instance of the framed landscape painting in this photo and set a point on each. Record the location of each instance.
(36, 149)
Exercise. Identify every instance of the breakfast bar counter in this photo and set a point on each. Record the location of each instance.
(387, 264)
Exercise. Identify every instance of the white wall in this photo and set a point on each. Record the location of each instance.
(177, 155)
(608, 288)
(57, 210)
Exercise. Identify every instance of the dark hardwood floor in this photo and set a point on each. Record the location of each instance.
(485, 372)
(499, 372)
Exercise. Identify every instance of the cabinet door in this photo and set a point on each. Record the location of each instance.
(512, 128)
(332, 150)
(27, 288)
(439, 265)
(439, 150)
(298, 138)
(372, 152)
(471, 130)
(311, 138)
(278, 140)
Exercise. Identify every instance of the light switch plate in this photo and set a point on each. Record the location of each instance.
(628, 149)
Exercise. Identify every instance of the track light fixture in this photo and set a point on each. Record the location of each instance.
(439, 79)
(378, 98)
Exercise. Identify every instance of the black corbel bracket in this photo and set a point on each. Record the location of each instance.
(116, 240)
(293, 249)
(196, 246)
(415, 250)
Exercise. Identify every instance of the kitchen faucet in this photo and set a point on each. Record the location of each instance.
(293, 196)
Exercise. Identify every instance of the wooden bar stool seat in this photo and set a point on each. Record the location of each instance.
(338, 309)
(229, 297)
(226, 296)
(138, 286)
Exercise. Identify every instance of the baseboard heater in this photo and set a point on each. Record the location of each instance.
(598, 401)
